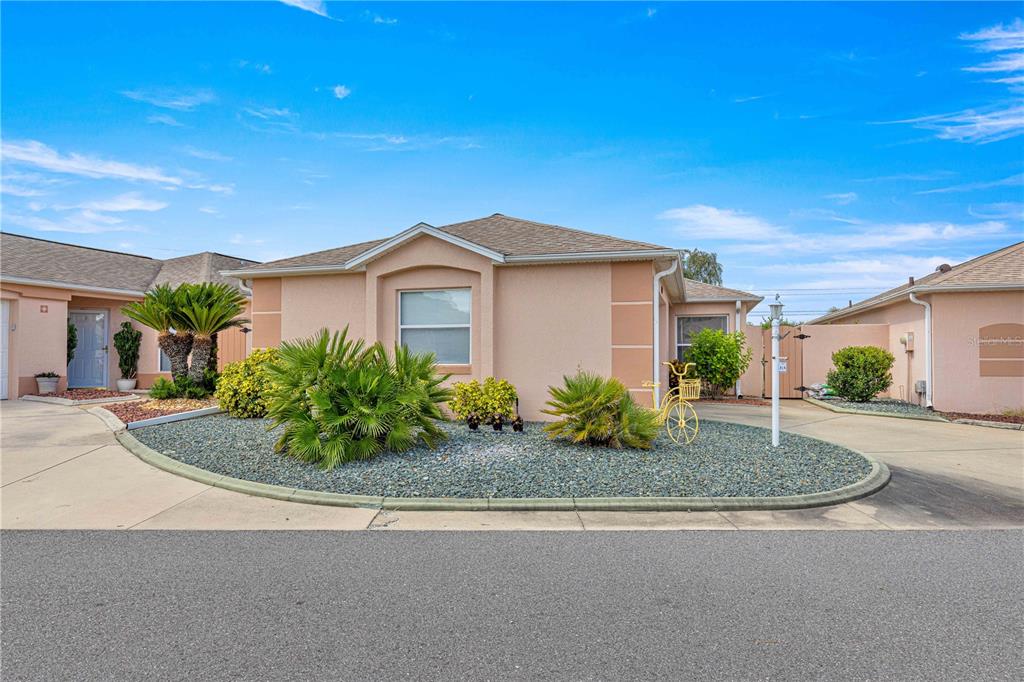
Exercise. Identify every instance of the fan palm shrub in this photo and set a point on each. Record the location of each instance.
(339, 400)
(596, 410)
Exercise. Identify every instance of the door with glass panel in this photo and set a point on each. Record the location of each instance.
(437, 321)
(89, 368)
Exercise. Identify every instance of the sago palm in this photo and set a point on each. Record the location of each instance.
(158, 310)
(203, 310)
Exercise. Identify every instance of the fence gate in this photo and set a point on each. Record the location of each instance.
(791, 382)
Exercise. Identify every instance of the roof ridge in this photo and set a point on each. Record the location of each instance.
(984, 258)
(558, 227)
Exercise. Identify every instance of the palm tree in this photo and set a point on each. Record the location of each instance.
(159, 310)
(205, 309)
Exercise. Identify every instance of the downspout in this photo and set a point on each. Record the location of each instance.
(927, 348)
(739, 311)
(656, 300)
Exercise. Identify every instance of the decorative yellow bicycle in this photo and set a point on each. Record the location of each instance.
(677, 414)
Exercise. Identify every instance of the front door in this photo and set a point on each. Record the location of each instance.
(89, 368)
(5, 331)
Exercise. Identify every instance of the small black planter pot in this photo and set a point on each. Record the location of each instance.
(517, 425)
(473, 423)
(497, 424)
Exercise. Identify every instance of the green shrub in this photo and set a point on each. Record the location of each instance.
(127, 342)
(599, 411)
(494, 399)
(720, 358)
(861, 372)
(72, 341)
(244, 386)
(339, 400)
(163, 389)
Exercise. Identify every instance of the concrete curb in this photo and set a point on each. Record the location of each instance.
(170, 418)
(112, 421)
(992, 425)
(877, 479)
(873, 413)
(75, 403)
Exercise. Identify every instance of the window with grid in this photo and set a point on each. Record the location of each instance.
(688, 325)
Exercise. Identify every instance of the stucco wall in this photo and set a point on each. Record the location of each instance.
(332, 301)
(826, 339)
(549, 321)
(38, 342)
(959, 384)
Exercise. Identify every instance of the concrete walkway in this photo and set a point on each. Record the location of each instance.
(61, 468)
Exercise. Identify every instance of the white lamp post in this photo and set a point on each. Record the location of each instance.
(776, 312)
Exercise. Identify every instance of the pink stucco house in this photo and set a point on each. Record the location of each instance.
(44, 285)
(957, 333)
(502, 296)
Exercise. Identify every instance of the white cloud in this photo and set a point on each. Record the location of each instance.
(1005, 210)
(255, 66)
(998, 38)
(1013, 180)
(708, 222)
(651, 11)
(19, 191)
(751, 98)
(269, 113)
(378, 19)
(842, 198)
(240, 239)
(206, 154)
(39, 155)
(898, 265)
(341, 92)
(214, 187)
(179, 100)
(81, 223)
(164, 119)
(315, 6)
(209, 210)
(130, 201)
(746, 233)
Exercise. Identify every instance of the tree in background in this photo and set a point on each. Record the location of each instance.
(702, 266)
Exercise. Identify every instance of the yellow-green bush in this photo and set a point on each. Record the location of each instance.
(244, 386)
(494, 399)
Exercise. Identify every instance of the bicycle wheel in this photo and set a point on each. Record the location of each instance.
(681, 423)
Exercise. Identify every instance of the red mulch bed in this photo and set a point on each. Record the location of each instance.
(1005, 418)
(137, 411)
(760, 402)
(84, 394)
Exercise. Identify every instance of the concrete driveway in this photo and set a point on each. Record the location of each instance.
(61, 468)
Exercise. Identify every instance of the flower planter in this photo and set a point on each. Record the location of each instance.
(47, 384)
(473, 423)
(126, 384)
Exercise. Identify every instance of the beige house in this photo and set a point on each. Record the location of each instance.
(500, 296)
(957, 333)
(46, 284)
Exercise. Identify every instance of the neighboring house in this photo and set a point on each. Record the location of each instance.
(500, 296)
(44, 284)
(974, 344)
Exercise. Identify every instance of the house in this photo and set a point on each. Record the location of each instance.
(502, 296)
(45, 284)
(957, 333)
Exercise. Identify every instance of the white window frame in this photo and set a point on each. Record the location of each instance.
(679, 345)
(468, 325)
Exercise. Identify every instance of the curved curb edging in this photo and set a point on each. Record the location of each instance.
(874, 413)
(877, 479)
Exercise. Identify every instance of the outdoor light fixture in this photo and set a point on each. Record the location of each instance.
(776, 308)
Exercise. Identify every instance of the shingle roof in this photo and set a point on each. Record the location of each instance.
(709, 292)
(499, 233)
(1004, 267)
(48, 261)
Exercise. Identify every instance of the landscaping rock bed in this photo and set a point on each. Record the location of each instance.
(887, 405)
(137, 411)
(1002, 418)
(85, 394)
(726, 460)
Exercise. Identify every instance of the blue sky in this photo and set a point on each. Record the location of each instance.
(825, 150)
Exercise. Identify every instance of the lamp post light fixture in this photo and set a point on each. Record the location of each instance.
(776, 312)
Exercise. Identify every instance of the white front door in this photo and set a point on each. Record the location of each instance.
(89, 368)
(5, 330)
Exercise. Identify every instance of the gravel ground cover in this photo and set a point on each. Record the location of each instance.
(728, 460)
(1004, 418)
(888, 405)
(137, 411)
(84, 394)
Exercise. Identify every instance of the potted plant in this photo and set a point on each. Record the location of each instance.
(127, 342)
(46, 382)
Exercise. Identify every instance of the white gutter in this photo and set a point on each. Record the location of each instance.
(927, 348)
(69, 285)
(739, 311)
(656, 300)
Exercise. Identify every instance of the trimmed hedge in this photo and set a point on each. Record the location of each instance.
(861, 372)
(243, 387)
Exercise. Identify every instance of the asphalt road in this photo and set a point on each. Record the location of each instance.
(671, 605)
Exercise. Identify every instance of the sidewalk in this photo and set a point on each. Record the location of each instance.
(60, 467)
